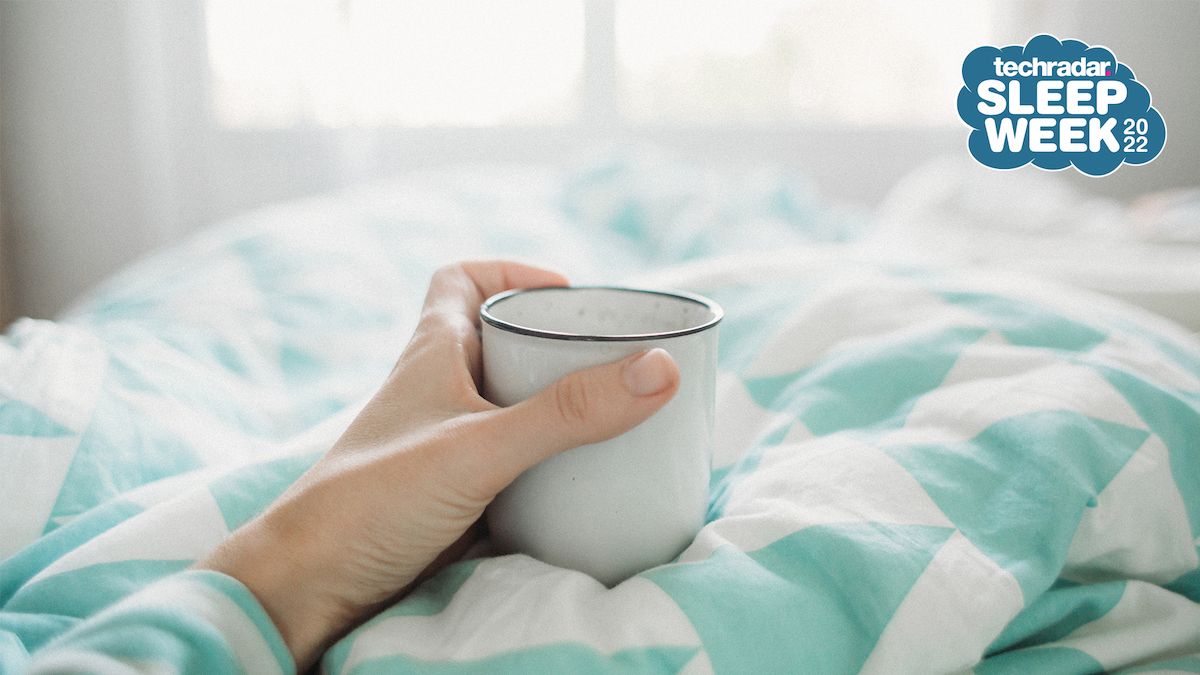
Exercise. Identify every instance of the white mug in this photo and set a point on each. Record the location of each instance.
(618, 507)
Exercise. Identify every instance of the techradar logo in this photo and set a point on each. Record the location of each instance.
(1057, 104)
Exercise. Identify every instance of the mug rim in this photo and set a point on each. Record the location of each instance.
(486, 315)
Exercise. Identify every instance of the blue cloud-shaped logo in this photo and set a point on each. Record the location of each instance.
(1057, 103)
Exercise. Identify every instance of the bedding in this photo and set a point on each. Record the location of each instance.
(956, 211)
(915, 469)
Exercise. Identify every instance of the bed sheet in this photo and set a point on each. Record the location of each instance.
(915, 470)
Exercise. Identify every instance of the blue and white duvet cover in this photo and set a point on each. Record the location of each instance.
(915, 471)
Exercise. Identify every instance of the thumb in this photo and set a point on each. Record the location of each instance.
(587, 406)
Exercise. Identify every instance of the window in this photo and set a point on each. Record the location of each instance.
(338, 63)
(335, 63)
(873, 62)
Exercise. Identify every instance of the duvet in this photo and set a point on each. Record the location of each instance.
(914, 470)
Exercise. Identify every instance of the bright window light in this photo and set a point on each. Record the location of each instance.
(277, 63)
(337, 63)
(874, 62)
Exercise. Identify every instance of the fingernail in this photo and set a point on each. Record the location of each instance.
(649, 373)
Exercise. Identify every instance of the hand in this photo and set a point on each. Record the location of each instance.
(401, 492)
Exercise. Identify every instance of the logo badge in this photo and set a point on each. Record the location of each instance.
(1057, 104)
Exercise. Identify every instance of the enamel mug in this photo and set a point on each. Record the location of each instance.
(618, 507)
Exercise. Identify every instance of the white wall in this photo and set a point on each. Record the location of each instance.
(1160, 41)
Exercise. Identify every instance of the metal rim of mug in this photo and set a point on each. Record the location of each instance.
(496, 322)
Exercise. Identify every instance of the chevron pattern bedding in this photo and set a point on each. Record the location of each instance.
(915, 470)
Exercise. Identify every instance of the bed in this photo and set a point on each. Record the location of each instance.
(918, 467)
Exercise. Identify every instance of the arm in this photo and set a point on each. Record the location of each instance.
(397, 497)
(191, 622)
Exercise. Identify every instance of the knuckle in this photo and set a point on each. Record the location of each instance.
(447, 324)
(447, 271)
(435, 322)
(571, 400)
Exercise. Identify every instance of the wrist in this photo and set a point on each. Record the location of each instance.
(286, 582)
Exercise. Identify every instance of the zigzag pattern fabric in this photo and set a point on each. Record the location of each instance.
(914, 471)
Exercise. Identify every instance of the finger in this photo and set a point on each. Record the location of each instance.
(451, 310)
(584, 407)
(462, 287)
